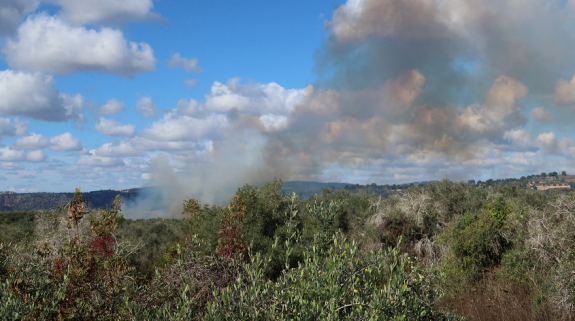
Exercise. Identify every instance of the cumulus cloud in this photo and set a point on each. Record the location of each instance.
(12, 12)
(106, 11)
(500, 111)
(92, 160)
(111, 127)
(118, 149)
(565, 92)
(521, 140)
(65, 142)
(252, 98)
(11, 155)
(190, 65)
(34, 95)
(49, 44)
(16, 128)
(33, 141)
(138, 146)
(146, 107)
(112, 107)
(185, 128)
(541, 115)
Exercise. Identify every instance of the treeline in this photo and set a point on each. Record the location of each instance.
(43, 201)
(438, 251)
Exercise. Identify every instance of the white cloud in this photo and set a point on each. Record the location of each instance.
(92, 11)
(112, 107)
(93, 160)
(190, 108)
(252, 98)
(191, 83)
(51, 45)
(274, 121)
(190, 65)
(111, 127)
(138, 145)
(499, 112)
(185, 128)
(565, 92)
(548, 142)
(12, 12)
(35, 96)
(521, 140)
(146, 107)
(34, 141)
(65, 142)
(11, 155)
(16, 128)
(117, 149)
(268, 100)
(541, 114)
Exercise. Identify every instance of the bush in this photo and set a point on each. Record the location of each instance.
(478, 241)
(341, 283)
(82, 279)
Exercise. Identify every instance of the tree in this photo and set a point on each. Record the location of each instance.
(471, 182)
(564, 173)
(543, 175)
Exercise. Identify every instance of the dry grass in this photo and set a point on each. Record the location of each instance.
(489, 299)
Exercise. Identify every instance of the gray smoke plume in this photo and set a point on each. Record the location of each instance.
(436, 86)
(406, 90)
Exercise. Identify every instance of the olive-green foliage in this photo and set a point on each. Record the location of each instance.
(150, 238)
(264, 218)
(350, 210)
(455, 199)
(17, 226)
(324, 248)
(341, 284)
(9, 217)
(265, 213)
(477, 239)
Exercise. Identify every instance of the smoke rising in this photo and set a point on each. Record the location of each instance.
(405, 90)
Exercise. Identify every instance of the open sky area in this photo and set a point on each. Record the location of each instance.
(114, 94)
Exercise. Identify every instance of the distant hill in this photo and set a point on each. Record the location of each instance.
(41, 201)
(307, 189)
(10, 201)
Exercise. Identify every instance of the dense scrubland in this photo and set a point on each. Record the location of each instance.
(441, 251)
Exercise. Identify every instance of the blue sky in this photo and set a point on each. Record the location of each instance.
(113, 94)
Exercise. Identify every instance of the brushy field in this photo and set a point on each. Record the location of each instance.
(443, 251)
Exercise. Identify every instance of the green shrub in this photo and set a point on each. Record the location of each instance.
(477, 241)
(340, 284)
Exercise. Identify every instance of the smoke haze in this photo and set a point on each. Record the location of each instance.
(405, 89)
